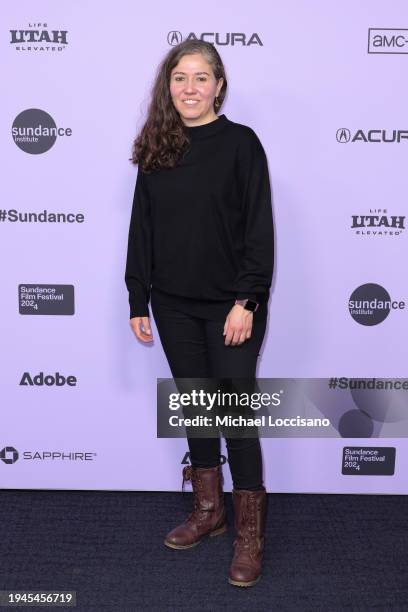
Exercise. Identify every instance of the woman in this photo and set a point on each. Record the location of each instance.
(200, 250)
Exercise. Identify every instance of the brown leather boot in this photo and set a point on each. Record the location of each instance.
(250, 517)
(208, 516)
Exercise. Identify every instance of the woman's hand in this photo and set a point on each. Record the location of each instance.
(238, 325)
(141, 328)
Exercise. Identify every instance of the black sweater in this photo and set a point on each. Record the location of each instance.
(202, 232)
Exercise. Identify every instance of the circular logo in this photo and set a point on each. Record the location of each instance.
(34, 131)
(174, 37)
(370, 304)
(9, 454)
(343, 135)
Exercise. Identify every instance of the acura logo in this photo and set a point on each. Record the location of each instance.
(174, 37)
(379, 136)
(343, 135)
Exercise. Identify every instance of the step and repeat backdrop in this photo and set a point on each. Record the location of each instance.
(323, 86)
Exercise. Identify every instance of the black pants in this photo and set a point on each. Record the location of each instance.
(194, 348)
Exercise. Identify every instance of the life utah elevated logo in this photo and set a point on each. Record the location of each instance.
(38, 37)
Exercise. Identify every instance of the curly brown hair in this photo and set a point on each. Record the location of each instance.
(163, 140)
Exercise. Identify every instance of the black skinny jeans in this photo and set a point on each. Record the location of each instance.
(194, 348)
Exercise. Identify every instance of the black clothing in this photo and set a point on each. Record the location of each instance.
(195, 348)
(204, 309)
(202, 233)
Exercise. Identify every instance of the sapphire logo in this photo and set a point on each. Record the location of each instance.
(174, 37)
(370, 304)
(9, 454)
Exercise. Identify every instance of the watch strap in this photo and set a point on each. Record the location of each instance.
(248, 304)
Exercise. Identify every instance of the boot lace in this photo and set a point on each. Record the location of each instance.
(198, 514)
(246, 540)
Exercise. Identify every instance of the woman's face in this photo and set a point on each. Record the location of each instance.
(193, 88)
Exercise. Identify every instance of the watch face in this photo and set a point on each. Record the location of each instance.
(251, 305)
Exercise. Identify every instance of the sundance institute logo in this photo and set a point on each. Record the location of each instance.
(370, 304)
(35, 131)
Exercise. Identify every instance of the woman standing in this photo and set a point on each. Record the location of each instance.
(200, 249)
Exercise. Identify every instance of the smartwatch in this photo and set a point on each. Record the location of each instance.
(248, 304)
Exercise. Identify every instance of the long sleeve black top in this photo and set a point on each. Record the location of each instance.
(202, 232)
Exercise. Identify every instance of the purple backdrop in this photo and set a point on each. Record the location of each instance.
(312, 77)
